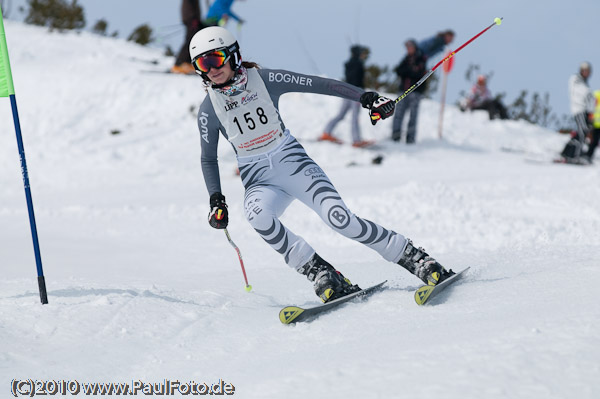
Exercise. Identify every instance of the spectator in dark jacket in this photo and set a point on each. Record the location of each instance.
(355, 75)
(411, 69)
(191, 18)
(435, 44)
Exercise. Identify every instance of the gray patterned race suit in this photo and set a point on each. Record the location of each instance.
(274, 167)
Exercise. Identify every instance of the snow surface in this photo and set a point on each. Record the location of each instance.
(141, 288)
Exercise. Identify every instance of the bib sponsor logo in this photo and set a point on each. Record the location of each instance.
(249, 98)
(203, 119)
(229, 105)
(338, 217)
(289, 78)
(259, 142)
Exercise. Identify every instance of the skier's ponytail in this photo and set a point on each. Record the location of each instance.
(250, 64)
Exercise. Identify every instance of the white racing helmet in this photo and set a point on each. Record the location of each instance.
(215, 38)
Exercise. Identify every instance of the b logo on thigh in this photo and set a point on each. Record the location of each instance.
(338, 217)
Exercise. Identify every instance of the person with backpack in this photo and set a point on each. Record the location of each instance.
(582, 101)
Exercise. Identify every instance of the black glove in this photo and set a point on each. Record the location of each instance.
(218, 216)
(379, 107)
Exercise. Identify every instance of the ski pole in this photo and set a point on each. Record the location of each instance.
(497, 21)
(248, 286)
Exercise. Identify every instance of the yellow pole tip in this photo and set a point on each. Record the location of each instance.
(498, 21)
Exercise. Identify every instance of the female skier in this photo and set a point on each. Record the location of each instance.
(242, 103)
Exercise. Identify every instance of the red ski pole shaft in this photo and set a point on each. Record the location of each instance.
(497, 21)
(248, 286)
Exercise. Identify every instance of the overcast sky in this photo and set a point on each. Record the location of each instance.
(537, 47)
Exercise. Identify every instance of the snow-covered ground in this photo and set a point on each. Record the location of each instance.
(141, 288)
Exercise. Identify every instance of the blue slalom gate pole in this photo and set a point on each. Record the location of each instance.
(7, 90)
(34, 235)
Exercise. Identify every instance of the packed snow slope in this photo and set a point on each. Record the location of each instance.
(141, 288)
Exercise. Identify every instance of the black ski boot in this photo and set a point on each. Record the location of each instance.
(419, 263)
(329, 283)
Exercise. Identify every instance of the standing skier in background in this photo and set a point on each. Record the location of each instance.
(354, 71)
(191, 18)
(242, 104)
(582, 102)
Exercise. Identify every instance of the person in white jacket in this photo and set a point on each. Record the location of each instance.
(582, 104)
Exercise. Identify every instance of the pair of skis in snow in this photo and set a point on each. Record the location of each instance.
(295, 314)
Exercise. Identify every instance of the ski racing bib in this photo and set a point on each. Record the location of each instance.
(249, 117)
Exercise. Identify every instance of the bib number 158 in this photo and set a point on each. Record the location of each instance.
(250, 124)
